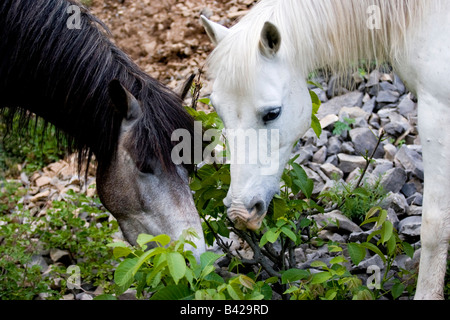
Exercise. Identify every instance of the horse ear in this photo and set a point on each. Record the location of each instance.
(124, 102)
(187, 86)
(270, 40)
(215, 31)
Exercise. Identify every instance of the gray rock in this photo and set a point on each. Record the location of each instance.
(365, 142)
(407, 107)
(409, 189)
(395, 201)
(390, 151)
(410, 226)
(334, 105)
(399, 85)
(374, 78)
(348, 163)
(414, 210)
(347, 147)
(320, 156)
(388, 96)
(334, 145)
(369, 106)
(410, 160)
(415, 199)
(328, 221)
(397, 125)
(374, 260)
(331, 171)
(394, 179)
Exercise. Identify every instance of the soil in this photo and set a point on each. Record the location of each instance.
(166, 38)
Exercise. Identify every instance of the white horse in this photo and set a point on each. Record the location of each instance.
(260, 66)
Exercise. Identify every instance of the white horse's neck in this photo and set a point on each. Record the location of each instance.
(315, 34)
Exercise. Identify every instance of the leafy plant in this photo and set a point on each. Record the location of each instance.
(168, 272)
(342, 126)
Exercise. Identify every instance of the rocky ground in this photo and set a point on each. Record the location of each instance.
(166, 39)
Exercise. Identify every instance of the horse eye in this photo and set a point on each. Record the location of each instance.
(272, 115)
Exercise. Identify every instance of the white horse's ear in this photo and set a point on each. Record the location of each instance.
(215, 31)
(270, 40)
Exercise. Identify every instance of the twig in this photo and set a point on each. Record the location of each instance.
(369, 160)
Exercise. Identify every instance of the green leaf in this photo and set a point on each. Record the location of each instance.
(143, 239)
(321, 277)
(319, 264)
(279, 207)
(391, 245)
(338, 259)
(235, 292)
(246, 281)
(208, 258)
(177, 265)
(177, 292)
(289, 233)
(356, 252)
(386, 231)
(397, 290)
(105, 297)
(162, 239)
(409, 250)
(124, 274)
(121, 252)
(293, 275)
(316, 126)
(375, 249)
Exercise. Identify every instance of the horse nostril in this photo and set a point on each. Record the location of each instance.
(259, 207)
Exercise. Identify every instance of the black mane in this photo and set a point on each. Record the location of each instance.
(62, 75)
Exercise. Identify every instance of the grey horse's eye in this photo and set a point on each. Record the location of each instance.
(272, 114)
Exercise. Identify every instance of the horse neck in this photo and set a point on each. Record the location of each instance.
(337, 33)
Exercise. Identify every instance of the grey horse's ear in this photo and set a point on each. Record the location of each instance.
(124, 102)
(215, 31)
(270, 41)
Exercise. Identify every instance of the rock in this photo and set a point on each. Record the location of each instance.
(348, 148)
(369, 106)
(334, 105)
(410, 226)
(389, 151)
(353, 113)
(328, 120)
(407, 107)
(394, 180)
(331, 171)
(395, 201)
(38, 260)
(410, 160)
(413, 210)
(57, 254)
(374, 78)
(42, 181)
(374, 260)
(320, 156)
(348, 163)
(397, 125)
(415, 199)
(388, 96)
(328, 221)
(40, 196)
(24, 179)
(365, 142)
(334, 145)
(83, 296)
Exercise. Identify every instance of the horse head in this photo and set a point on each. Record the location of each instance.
(137, 189)
(256, 93)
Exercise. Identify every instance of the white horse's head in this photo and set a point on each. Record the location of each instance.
(261, 101)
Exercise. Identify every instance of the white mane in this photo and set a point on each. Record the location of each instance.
(317, 34)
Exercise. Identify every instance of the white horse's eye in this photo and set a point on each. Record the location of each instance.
(272, 115)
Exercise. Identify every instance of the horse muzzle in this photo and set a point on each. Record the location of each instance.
(244, 218)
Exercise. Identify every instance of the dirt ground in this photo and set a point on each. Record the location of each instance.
(165, 37)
